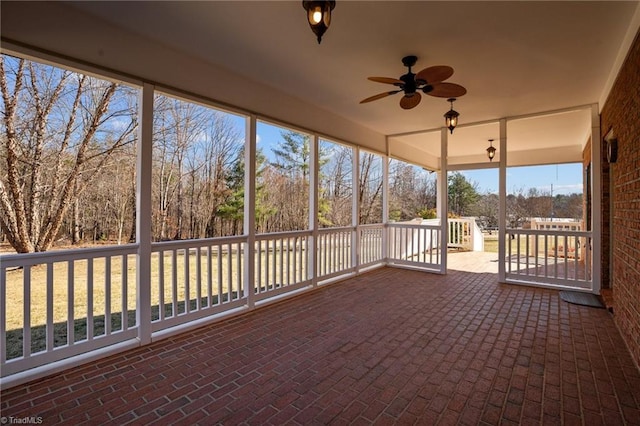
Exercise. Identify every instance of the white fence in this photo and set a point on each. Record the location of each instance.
(281, 263)
(465, 234)
(415, 245)
(57, 305)
(191, 279)
(334, 251)
(371, 245)
(549, 257)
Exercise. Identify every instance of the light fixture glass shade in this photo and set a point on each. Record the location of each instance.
(319, 15)
(491, 151)
(315, 15)
(451, 117)
(451, 120)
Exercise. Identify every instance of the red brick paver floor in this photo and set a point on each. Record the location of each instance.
(390, 346)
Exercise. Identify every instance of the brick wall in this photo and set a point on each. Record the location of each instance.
(621, 113)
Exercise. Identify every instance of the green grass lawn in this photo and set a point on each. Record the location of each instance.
(491, 243)
(229, 270)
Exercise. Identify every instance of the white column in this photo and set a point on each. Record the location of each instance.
(250, 209)
(314, 182)
(442, 193)
(596, 200)
(502, 194)
(439, 194)
(385, 203)
(355, 210)
(143, 214)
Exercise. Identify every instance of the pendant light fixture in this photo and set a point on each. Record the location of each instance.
(491, 151)
(451, 117)
(319, 15)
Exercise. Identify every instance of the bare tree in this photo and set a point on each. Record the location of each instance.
(60, 130)
(195, 150)
(287, 180)
(336, 186)
(538, 203)
(486, 209)
(119, 205)
(370, 196)
(224, 160)
(517, 212)
(177, 125)
(412, 191)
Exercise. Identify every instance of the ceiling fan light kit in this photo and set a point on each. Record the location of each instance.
(319, 15)
(430, 81)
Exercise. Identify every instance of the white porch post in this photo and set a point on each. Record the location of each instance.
(385, 202)
(314, 182)
(502, 209)
(355, 211)
(143, 215)
(438, 193)
(442, 194)
(596, 201)
(250, 209)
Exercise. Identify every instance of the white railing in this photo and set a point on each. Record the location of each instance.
(334, 252)
(415, 245)
(461, 233)
(557, 258)
(59, 304)
(371, 245)
(281, 262)
(192, 279)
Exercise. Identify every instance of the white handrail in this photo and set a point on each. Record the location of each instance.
(196, 280)
(558, 258)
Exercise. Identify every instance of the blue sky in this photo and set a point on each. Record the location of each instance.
(565, 178)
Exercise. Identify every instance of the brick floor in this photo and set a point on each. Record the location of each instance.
(388, 347)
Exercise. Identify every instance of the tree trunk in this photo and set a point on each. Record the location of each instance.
(75, 239)
(42, 185)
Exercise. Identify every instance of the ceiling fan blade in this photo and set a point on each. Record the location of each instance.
(386, 80)
(435, 74)
(410, 101)
(379, 96)
(447, 90)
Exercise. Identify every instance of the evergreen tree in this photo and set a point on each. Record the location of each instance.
(292, 155)
(232, 210)
(462, 194)
(287, 197)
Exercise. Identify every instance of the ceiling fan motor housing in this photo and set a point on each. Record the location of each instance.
(409, 85)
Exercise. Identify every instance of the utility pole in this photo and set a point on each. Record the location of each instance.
(552, 203)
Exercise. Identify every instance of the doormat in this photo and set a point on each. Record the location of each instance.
(580, 298)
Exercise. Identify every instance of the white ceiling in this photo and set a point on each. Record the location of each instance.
(515, 58)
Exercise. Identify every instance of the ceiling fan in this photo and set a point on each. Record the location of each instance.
(430, 81)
